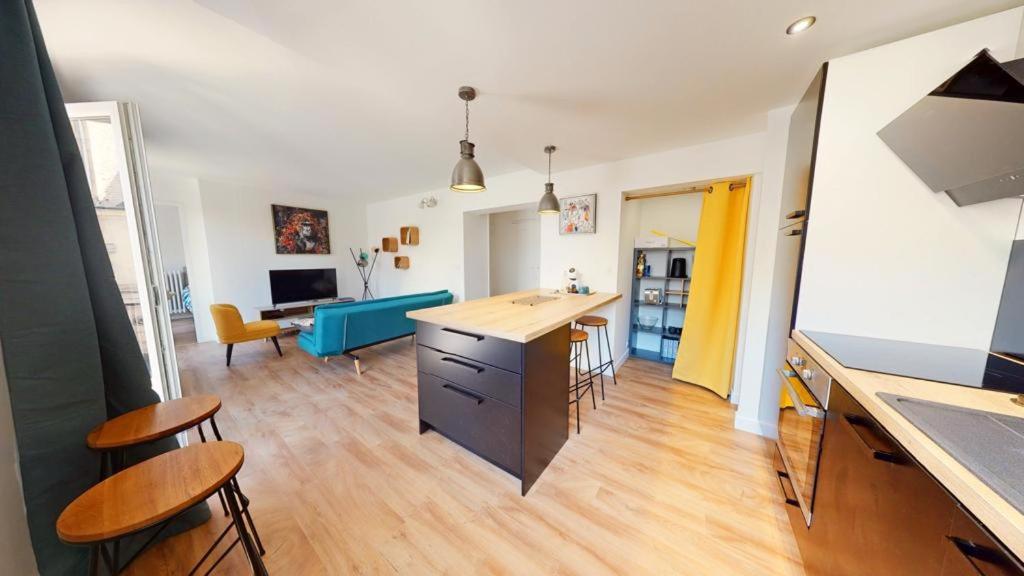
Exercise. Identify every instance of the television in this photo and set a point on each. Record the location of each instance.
(302, 285)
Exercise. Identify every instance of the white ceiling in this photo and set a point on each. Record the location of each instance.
(359, 98)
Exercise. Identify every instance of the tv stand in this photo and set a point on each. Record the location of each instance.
(283, 314)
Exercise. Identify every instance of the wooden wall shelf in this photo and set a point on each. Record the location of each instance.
(409, 235)
(389, 244)
(402, 262)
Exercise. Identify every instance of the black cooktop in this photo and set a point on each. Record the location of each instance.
(949, 364)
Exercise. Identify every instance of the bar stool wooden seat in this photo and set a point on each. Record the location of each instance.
(578, 340)
(598, 322)
(152, 493)
(154, 422)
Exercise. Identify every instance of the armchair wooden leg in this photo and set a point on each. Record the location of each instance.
(230, 348)
(276, 345)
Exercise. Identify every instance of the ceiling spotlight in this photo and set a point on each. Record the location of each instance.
(801, 25)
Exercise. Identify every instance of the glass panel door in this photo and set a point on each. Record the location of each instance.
(110, 141)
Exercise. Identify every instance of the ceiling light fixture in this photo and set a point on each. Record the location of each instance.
(548, 202)
(801, 25)
(467, 175)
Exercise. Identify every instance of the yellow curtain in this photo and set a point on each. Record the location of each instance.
(707, 346)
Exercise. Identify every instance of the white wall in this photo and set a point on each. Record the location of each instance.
(603, 258)
(886, 256)
(16, 555)
(182, 192)
(172, 239)
(514, 244)
(240, 242)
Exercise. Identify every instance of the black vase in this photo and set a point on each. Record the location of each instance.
(678, 268)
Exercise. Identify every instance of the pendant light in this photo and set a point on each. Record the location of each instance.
(548, 202)
(467, 175)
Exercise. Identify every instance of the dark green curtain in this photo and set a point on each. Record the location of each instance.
(71, 357)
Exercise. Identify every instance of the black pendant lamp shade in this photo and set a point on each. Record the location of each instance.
(548, 202)
(467, 175)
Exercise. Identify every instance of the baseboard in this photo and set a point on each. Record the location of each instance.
(768, 430)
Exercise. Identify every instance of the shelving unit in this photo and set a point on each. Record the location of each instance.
(671, 311)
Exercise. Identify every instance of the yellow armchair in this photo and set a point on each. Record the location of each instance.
(231, 330)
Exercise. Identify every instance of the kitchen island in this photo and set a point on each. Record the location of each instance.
(493, 375)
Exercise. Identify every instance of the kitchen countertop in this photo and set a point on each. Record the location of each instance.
(497, 316)
(1001, 518)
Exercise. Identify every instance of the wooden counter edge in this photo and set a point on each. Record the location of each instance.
(999, 516)
(428, 315)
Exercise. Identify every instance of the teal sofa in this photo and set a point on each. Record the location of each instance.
(345, 327)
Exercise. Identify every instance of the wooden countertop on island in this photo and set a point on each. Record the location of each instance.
(998, 515)
(497, 316)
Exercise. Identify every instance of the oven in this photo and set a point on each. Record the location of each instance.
(802, 407)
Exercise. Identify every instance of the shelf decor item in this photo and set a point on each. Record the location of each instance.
(647, 322)
(389, 244)
(641, 264)
(409, 235)
(365, 267)
(579, 215)
(300, 230)
(402, 262)
(467, 175)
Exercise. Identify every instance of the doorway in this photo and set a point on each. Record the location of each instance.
(109, 138)
(514, 240)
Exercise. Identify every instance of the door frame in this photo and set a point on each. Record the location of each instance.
(139, 210)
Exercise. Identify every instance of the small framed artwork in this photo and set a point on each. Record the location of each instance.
(301, 230)
(578, 215)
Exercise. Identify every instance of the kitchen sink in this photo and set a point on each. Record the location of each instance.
(988, 444)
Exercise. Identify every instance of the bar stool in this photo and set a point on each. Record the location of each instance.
(155, 492)
(598, 322)
(578, 339)
(157, 421)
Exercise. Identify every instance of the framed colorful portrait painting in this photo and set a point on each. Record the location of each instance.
(301, 230)
(578, 215)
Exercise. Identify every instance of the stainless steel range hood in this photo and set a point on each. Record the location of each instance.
(966, 138)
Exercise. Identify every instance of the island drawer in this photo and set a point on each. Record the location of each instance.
(479, 377)
(485, 426)
(487, 349)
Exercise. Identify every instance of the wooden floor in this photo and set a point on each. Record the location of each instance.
(342, 483)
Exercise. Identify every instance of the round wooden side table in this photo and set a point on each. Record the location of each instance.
(157, 421)
(155, 492)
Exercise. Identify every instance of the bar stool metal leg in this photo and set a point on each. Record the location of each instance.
(241, 496)
(258, 569)
(611, 359)
(590, 376)
(576, 388)
(202, 438)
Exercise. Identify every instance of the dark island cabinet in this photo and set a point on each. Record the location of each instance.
(877, 511)
(505, 401)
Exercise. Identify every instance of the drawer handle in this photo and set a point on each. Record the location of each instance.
(794, 232)
(856, 423)
(783, 479)
(458, 362)
(969, 550)
(476, 337)
(796, 214)
(464, 393)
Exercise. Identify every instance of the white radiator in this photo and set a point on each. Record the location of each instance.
(177, 286)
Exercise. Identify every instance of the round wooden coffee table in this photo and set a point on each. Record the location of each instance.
(152, 493)
(153, 422)
(157, 421)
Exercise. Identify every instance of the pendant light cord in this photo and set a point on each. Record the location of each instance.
(467, 120)
(549, 166)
